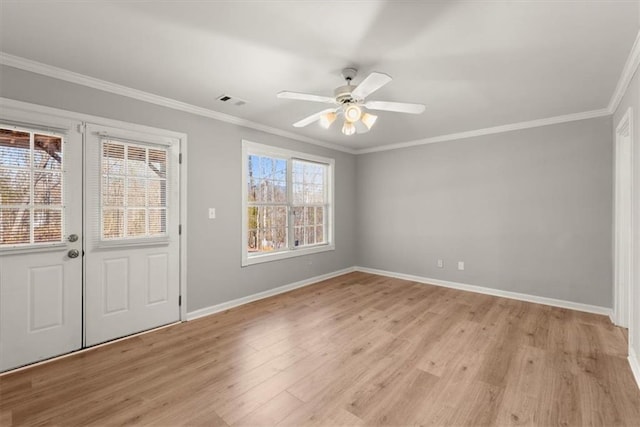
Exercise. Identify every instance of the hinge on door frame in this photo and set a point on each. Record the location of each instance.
(179, 229)
(179, 300)
(180, 158)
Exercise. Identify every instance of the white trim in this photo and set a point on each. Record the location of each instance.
(634, 364)
(82, 117)
(183, 224)
(630, 67)
(622, 309)
(490, 291)
(105, 86)
(283, 254)
(125, 137)
(447, 284)
(492, 130)
(271, 150)
(266, 294)
(80, 79)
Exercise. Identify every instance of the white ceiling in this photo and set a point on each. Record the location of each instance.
(475, 64)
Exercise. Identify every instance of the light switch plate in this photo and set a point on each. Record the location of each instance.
(212, 213)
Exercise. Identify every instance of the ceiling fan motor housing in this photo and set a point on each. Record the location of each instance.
(343, 94)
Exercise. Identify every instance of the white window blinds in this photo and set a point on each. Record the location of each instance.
(133, 190)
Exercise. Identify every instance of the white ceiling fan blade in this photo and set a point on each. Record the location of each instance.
(399, 107)
(312, 118)
(306, 97)
(372, 83)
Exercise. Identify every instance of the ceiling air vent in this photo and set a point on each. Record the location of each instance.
(231, 100)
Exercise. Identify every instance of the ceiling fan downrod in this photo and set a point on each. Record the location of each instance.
(343, 93)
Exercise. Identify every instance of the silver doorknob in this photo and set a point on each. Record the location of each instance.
(73, 253)
(73, 237)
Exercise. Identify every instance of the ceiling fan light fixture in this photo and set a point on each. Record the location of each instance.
(352, 113)
(369, 120)
(349, 102)
(348, 128)
(327, 119)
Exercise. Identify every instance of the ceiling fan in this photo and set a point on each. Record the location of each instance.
(351, 104)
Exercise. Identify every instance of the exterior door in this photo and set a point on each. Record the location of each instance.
(40, 239)
(131, 232)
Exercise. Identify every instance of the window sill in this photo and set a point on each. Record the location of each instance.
(292, 253)
(120, 243)
(32, 248)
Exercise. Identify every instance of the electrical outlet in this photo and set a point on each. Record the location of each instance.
(460, 265)
(440, 263)
(212, 213)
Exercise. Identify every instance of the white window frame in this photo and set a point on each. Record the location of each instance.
(253, 148)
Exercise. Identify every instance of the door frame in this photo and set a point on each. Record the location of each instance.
(35, 109)
(622, 295)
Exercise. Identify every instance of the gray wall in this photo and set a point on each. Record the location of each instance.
(214, 274)
(528, 211)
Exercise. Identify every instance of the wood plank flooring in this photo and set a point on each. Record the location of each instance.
(358, 349)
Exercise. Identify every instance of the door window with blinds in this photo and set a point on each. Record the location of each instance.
(133, 191)
(31, 188)
(287, 203)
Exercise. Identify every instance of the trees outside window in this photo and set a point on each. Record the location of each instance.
(31, 188)
(287, 203)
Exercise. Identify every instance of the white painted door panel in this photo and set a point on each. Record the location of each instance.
(132, 241)
(41, 307)
(40, 285)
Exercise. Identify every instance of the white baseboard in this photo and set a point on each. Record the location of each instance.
(495, 292)
(266, 294)
(634, 362)
(437, 282)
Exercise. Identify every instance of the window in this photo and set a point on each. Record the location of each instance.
(133, 191)
(31, 193)
(287, 203)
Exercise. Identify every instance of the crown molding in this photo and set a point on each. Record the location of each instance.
(630, 67)
(105, 86)
(62, 74)
(492, 130)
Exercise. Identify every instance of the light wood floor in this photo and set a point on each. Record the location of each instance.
(355, 350)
